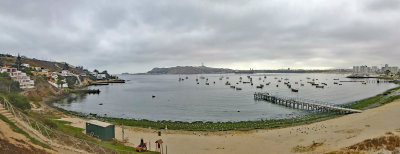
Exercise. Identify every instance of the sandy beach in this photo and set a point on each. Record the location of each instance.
(334, 134)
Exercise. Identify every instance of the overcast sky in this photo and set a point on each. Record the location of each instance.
(137, 35)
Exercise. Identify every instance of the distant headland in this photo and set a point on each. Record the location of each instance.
(211, 70)
(190, 70)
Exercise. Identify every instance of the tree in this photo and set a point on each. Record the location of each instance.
(65, 66)
(95, 70)
(7, 85)
(60, 81)
(387, 72)
(19, 62)
(106, 73)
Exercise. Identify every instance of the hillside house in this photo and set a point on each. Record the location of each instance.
(101, 76)
(22, 78)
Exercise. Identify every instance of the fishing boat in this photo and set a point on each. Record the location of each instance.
(295, 90)
(319, 86)
(227, 83)
(207, 83)
(301, 84)
(268, 83)
(335, 79)
(233, 87)
(246, 82)
(364, 83)
(237, 88)
(335, 83)
(260, 86)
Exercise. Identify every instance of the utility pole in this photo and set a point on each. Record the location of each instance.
(123, 133)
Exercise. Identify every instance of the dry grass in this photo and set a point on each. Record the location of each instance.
(312, 147)
(389, 133)
(387, 143)
(345, 151)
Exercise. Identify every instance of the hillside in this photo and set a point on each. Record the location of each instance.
(189, 70)
(51, 66)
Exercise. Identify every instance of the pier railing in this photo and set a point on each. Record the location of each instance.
(304, 104)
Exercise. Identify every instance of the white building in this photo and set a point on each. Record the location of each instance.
(38, 68)
(26, 65)
(22, 78)
(394, 69)
(66, 73)
(101, 76)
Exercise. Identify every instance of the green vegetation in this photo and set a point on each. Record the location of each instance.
(223, 126)
(7, 85)
(18, 101)
(380, 99)
(19, 130)
(71, 81)
(214, 126)
(10, 89)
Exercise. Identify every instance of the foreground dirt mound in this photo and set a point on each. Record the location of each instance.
(16, 143)
(389, 143)
(7, 147)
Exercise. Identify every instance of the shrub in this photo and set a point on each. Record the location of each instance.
(19, 101)
(7, 85)
(50, 123)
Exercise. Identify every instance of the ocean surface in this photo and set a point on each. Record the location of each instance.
(188, 101)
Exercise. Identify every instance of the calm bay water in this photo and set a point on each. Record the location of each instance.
(189, 101)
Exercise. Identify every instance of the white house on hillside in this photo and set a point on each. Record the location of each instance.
(22, 78)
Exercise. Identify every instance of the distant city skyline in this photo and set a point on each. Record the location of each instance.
(136, 36)
(365, 69)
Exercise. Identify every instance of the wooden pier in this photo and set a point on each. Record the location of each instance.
(299, 104)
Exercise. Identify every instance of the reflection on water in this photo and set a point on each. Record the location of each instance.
(188, 101)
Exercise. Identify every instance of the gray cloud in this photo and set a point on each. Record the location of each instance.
(135, 36)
